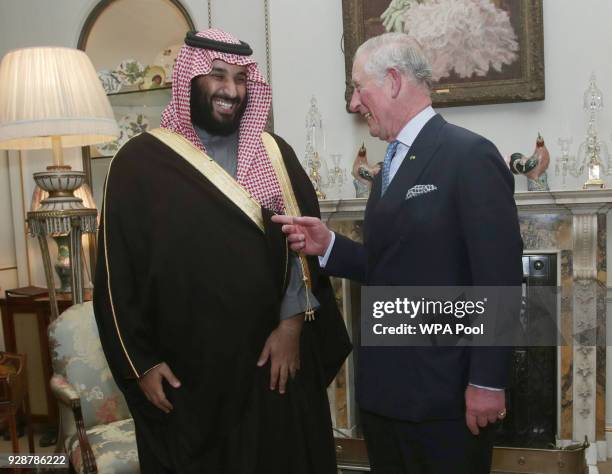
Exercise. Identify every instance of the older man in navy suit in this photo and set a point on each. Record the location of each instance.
(441, 213)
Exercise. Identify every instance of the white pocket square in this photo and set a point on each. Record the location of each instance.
(420, 189)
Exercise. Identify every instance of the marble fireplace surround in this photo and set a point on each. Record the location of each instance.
(571, 224)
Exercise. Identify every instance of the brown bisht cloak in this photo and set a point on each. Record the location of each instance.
(195, 283)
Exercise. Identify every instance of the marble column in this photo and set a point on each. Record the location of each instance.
(585, 329)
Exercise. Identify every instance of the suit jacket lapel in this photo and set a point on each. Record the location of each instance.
(383, 212)
(415, 162)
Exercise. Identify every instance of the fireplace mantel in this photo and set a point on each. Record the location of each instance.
(573, 225)
(595, 201)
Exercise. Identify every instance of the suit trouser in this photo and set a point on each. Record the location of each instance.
(431, 447)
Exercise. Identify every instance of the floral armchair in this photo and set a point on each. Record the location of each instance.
(97, 430)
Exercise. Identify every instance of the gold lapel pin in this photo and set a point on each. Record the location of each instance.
(412, 157)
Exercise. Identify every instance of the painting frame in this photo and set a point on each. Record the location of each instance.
(530, 86)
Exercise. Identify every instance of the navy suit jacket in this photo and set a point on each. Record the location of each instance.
(464, 233)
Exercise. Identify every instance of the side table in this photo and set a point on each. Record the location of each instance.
(20, 311)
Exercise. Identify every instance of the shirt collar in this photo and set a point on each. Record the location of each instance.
(209, 139)
(415, 125)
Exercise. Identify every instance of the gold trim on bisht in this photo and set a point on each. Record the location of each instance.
(108, 271)
(213, 172)
(291, 207)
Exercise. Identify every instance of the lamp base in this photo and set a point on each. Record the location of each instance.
(52, 223)
(62, 263)
(60, 182)
(69, 222)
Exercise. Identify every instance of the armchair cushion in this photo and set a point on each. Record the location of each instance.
(113, 445)
(77, 356)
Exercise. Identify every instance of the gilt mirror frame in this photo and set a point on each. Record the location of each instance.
(361, 19)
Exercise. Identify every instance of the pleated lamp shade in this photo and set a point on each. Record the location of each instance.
(50, 92)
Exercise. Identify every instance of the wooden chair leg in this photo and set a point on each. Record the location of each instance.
(59, 445)
(28, 420)
(12, 422)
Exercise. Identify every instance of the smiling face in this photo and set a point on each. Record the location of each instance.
(389, 101)
(218, 99)
(371, 98)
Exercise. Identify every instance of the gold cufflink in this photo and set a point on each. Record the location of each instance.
(412, 157)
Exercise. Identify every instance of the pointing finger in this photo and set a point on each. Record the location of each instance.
(306, 221)
(281, 219)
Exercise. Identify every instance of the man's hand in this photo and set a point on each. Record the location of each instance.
(151, 385)
(283, 350)
(306, 234)
(483, 406)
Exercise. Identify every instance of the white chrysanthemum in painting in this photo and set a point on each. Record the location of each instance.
(470, 37)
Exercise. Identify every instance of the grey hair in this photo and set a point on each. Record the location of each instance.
(395, 51)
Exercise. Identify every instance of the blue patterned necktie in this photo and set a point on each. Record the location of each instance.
(391, 148)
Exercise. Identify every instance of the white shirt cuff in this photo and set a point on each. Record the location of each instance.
(493, 389)
(323, 260)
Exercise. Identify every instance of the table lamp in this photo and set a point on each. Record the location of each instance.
(51, 98)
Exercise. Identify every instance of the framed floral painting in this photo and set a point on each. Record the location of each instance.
(482, 51)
